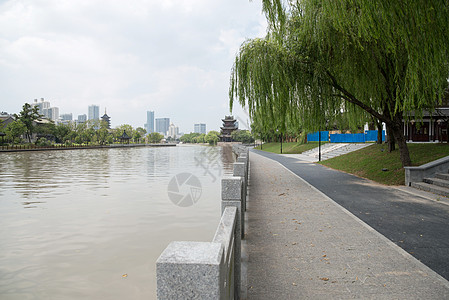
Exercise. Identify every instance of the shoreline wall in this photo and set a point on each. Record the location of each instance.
(7, 149)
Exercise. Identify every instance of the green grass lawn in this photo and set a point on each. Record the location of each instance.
(288, 148)
(369, 162)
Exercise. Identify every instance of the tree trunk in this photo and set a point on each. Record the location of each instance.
(379, 131)
(401, 140)
(391, 138)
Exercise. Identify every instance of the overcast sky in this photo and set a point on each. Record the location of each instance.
(170, 56)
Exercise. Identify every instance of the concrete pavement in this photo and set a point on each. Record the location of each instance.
(302, 244)
(419, 226)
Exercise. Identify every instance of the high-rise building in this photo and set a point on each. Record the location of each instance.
(42, 105)
(162, 125)
(199, 128)
(53, 113)
(94, 112)
(66, 117)
(173, 131)
(46, 110)
(149, 126)
(82, 118)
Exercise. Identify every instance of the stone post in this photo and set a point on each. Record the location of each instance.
(239, 170)
(244, 159)
(231, 195)
(190, 270)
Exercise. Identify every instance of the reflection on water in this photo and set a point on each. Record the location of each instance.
(90, 224)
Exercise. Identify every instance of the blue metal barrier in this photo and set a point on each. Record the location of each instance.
(368, 136)
(313, 137)
(348, 138)
(371, 135)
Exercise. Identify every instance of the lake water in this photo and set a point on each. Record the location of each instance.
(90, 224)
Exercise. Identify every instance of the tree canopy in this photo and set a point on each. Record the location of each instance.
(212, 137)
(243, 136)
(320, 59)
(27, 116)
(155, 137)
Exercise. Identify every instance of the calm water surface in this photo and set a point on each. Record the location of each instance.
(90, 224)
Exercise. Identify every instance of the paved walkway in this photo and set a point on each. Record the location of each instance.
(417, 222)
(302, 245)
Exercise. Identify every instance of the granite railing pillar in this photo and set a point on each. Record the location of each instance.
(231, 195)
(244, 159)
(201, 270)
(226, 236)
(240, 171)
(190, 270)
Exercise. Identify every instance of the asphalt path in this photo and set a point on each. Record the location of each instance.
(416, 224)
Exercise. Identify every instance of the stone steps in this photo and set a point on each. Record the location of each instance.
(431, 188)
(330, 150)
(437, 181)
(437, 185)
(444, 176)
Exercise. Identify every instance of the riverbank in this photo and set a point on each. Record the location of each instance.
(20, 149)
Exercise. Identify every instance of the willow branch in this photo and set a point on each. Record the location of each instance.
(346, 95)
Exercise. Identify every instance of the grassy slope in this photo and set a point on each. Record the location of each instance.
(369, 162)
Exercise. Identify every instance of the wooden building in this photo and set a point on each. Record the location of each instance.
(229, 125)
(432, 127)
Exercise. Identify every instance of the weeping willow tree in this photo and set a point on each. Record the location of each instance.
(361, 57)
(271, 129)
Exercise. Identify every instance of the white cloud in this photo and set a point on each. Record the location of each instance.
(170, 56)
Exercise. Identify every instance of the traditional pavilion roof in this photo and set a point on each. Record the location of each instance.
(125, 136)
(229, 119)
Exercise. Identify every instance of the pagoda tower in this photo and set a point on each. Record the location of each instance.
(229, 125)
(107, 119)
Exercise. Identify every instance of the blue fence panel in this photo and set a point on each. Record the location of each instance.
(313, 137)
(348, 138)
(368, 136)
(371, 135)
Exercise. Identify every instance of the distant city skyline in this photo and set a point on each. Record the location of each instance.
(75, 53)
(93, 113)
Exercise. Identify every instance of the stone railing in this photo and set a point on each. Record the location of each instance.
(210, 270)
(417, 174)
